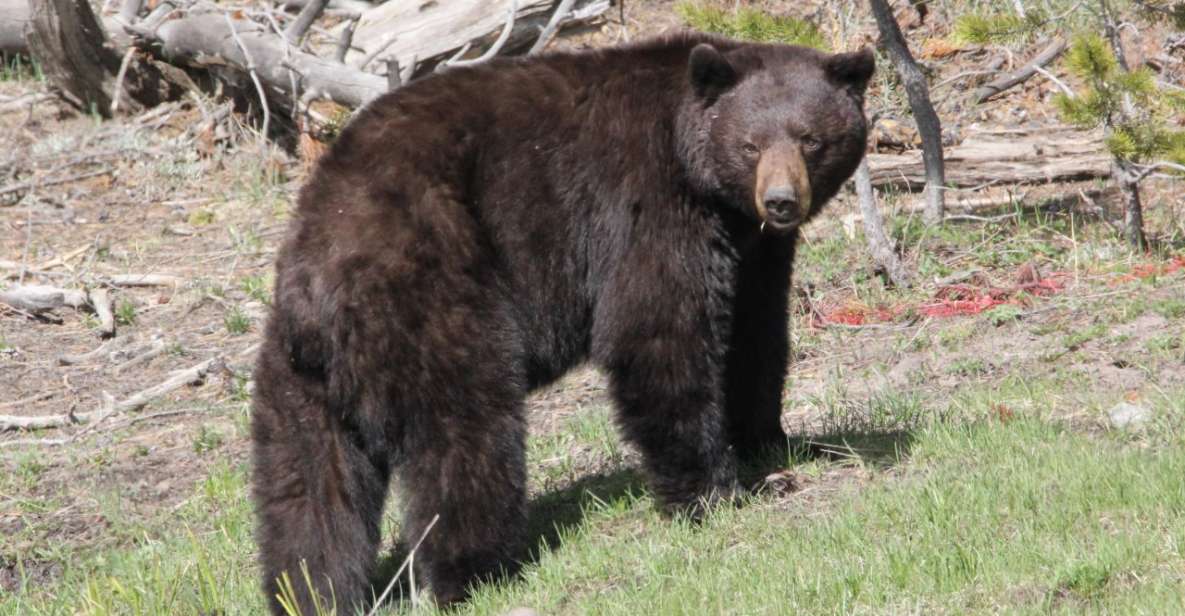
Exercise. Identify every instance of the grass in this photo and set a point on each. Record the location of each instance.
(19, 69)
(750, 24)
(237, 322)
(978, 515)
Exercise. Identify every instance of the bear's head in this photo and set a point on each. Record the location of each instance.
(774, 130)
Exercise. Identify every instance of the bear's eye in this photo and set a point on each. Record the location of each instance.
(810, 144)
(750, 149)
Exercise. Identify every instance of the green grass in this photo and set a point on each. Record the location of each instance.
(236, 321)
(980, 516)
(19, 69)
(750, 24)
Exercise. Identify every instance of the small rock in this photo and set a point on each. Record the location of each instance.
(780, 483)
(1126, 416)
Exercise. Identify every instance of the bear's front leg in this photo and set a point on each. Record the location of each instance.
(670, 408)
(759, 349)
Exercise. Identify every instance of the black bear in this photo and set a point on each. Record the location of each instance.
(473, 235)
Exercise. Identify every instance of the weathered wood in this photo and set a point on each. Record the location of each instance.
(879, 244)
(1002, 83)
(14, 18)
(67, 41)
(420, 30)
(38, 298)
(83, 65)
(190, 376)
(356, 6)
(205, 41)
(1002, 157)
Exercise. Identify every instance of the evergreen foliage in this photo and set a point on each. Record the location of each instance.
(1130, 103)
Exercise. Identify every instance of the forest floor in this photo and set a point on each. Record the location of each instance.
(1005, 436)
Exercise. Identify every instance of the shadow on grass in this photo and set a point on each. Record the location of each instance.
(877, 448)
(549, 517)
(553, 515)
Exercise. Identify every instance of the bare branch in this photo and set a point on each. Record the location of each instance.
(553, 24)
(874, 230)
(343, 43)
(299, 26)
(189, 376)
(267, 116)
(495, 48)
(1047, 55)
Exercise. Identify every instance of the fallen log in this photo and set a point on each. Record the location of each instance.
(1004, 156)
(36, 299)
(14, 18)
(206, 41)
(419, 32)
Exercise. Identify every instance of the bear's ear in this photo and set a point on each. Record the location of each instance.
(709, 71)
(852, 70)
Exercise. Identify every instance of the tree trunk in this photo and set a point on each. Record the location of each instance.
(81, 65)
(1125, 176)
(68, 41)
(1133, 210)
(874, 230)
(918, 91)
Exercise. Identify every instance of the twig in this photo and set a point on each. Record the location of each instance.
(1057, 82)
(874, 230)
(1047, 55)
(193, 375)
(70, 360)
(51, 182)
(394, 77)
(119, 77)
(406, 561)
(347, 39)
(36, 398)
(144, 280)
(267, 116)
(553, 24)
(494, 49)
(1147, 170)
(155, 349)
(374, 54)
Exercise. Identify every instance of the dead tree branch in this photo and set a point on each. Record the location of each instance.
(553, 24)
(1021, 75)
(879, 243)
(304, 20)
(190, 376)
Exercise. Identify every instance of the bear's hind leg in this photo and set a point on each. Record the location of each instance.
(319, 497)
(466, 464)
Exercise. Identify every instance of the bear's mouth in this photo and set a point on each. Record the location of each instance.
(781, 221)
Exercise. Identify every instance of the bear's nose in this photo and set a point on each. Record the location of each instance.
(781, 204)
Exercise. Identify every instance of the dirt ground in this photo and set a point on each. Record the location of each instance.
(176, 192)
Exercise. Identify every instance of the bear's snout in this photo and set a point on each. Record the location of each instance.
(782, 206)
(783, 191)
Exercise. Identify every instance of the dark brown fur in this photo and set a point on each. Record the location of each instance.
(477, 233)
